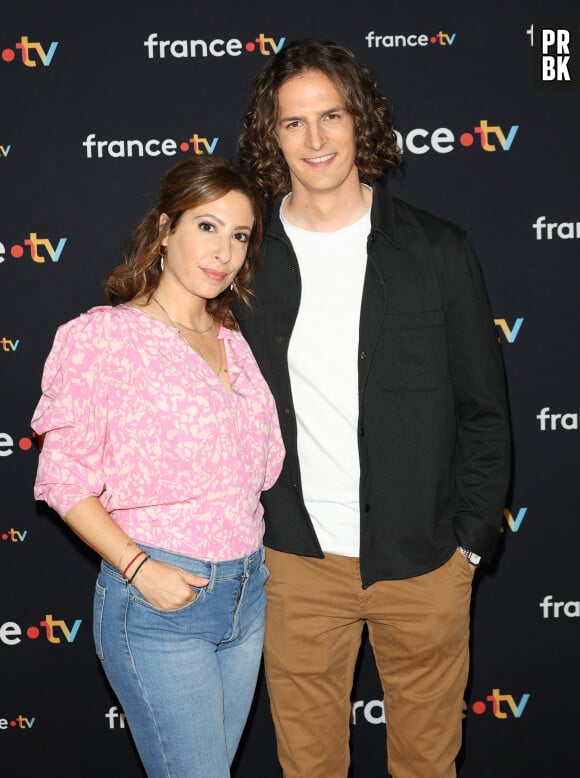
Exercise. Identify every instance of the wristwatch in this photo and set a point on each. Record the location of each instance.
(471, 556)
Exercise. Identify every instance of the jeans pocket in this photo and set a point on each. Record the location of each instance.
(98, 609)
(136, 597)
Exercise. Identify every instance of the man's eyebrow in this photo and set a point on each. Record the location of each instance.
(334, 109)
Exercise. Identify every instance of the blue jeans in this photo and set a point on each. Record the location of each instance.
(186, 677)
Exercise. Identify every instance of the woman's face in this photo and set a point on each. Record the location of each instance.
(209, 245)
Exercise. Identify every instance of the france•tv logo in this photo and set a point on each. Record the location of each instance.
(442, 140)
(7, 444)
(440, 38)
(37, 248)
(502, 705)
(14, 535)
(556, 421)
(218, 47)
(53, 630)
(153, 147)
(7, 344)
(116, 718)
(31, 52)
(17, 722)
(510, 333)
(551, 608)
(514, 522)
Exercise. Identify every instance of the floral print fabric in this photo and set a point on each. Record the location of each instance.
(132, 415)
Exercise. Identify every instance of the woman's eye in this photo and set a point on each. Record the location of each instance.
(243, 237)
(206, 226)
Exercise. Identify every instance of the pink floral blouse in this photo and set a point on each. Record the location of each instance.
(135, 417)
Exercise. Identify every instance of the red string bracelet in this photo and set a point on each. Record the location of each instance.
(124, 573)
(139, 566)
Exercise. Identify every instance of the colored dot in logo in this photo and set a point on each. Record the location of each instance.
(432, 39)
(4, 536)
(184, 146)
(250, 46)
(25, 444)
(32, 632)
(8, 55)
(16, 251)
(466, 139)
(478, 707)
(12, 723)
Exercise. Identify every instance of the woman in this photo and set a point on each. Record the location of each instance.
(160, 434)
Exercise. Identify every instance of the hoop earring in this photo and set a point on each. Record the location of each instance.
(162, 260)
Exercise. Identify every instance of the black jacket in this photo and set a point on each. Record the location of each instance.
(433, 421)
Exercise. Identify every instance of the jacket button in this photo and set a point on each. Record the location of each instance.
(361, 431)
(287, 411)
(363, 354)
(278, 338)
(292, 269)
(366, 508)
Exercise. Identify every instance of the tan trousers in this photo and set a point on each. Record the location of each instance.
(419, 632)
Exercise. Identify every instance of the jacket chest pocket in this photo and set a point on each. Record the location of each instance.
(412, 352)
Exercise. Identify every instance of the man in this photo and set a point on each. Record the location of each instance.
(372, 325)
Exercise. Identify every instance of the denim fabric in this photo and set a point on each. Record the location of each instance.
(186, 677)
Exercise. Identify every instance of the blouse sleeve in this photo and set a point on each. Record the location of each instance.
(72, 414)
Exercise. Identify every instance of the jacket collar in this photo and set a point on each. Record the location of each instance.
(382, 215)
(272, 222)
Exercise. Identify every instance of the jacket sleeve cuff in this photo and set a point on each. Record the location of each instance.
(474, 534)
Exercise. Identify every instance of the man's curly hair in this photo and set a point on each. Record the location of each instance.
(376, 143)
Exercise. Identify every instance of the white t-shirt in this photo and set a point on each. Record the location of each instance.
(322, 359)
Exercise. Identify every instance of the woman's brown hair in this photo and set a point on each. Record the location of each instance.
(195, 181)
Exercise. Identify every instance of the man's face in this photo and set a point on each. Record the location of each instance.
(316, 134)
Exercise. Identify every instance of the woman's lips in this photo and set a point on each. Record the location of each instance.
(215, 275)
